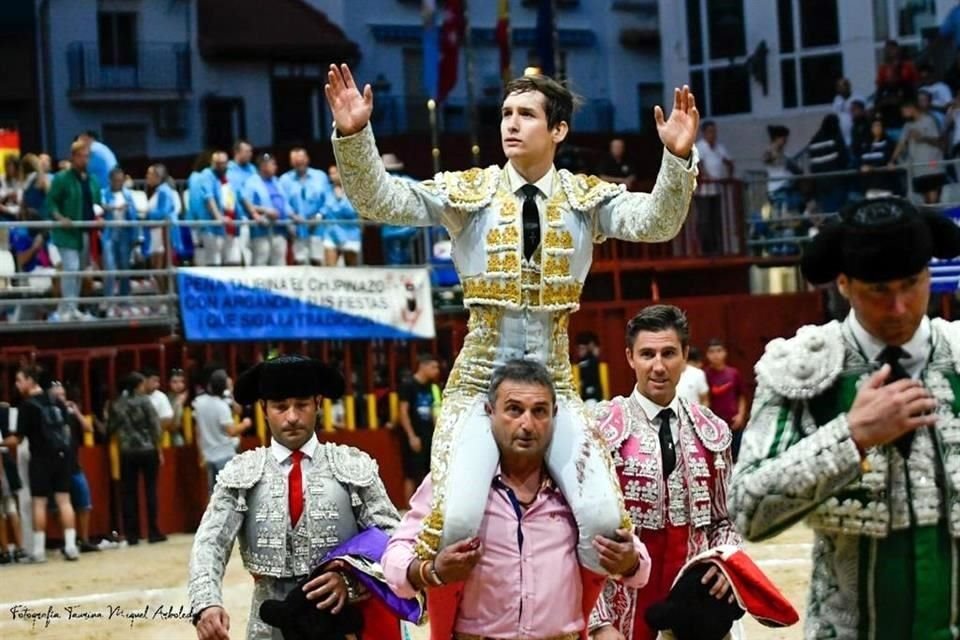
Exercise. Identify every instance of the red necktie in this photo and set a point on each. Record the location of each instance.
(296, 488)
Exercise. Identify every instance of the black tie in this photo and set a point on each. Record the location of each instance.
(666, 442)
(531, 220)
(892, 356)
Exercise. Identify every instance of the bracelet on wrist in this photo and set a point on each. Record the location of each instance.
(423, 577)
(436, 575)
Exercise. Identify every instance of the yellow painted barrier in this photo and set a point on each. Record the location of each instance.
(88, 435)
(260, 422)
(605, 380)
(165, 440)
(328, 415)
(350, 412)
(373, 421)
(114, 451)
(188, 425)
(575, 370)
(394, 407)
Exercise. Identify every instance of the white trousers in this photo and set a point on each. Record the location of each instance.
(269, 250)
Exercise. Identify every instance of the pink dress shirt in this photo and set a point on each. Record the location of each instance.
(513, 592)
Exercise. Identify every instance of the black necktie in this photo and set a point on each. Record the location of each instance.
(892, 356)
(666, 442)
(531, 220)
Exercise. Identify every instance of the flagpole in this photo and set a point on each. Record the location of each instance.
(471, 101)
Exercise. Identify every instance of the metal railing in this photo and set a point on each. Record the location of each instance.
(151, 66)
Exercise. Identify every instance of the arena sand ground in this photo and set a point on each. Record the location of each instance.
(137, 593)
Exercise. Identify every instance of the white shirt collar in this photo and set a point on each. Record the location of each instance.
(918, 347)
(544, 184)
(281, 453)
(651, 409)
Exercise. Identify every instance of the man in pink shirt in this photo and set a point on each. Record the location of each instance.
(519, 577)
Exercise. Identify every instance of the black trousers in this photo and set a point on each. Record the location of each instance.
(134, 464)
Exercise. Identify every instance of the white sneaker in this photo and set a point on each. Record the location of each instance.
(71, 553)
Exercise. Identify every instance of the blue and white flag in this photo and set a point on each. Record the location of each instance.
(945, 274)
(305, 303)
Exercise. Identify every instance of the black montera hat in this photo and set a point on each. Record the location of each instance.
(291, 376)
(879, 240)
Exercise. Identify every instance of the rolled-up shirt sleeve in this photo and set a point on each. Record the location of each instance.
(400, 550)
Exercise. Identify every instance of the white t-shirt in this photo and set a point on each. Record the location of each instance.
(712, 162)
(161, 404)
(213, 415)
(693, 384)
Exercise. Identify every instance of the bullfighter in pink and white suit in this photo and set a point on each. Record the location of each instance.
(673, 461)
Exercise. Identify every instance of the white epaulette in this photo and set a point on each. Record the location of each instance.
(804, 366)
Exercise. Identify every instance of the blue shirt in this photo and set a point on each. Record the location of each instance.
(203, 186)
(102, 161)
(266, 193)
(307, 196)
(237, 176)
(119, 234)
(951, 26)
(21, 240)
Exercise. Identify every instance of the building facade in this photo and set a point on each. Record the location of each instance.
(159, 78)
(759, 62)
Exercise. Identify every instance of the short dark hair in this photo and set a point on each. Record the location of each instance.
(298, 148)
(425, 356)
(587, 337)
(239, 143)
(657, 318)
(132, 381)
(149, 372)
(716, 342)
(217, 383)
(706, 124)
(31, 371)
(559, 101)
(526, 371)
(117, 169)
(694, 355)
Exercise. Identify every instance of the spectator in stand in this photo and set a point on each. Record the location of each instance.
(843, 107)
(859, 132)
(398, 241)
(728, 395)
(693, 385)
(102, 158)
(897, 79)
(950, 27)
(780, 171)
(34, 255)
(588, 363)
(161, 207)
(159, 400)
(615, 167)
(419, 406)
(134, 421)
(921, 140)
(178, 395)
(79, 487)
(36, 184)
(196, 205)
(341, 239)
(10, 484)
(266, 204)
(940, 94)
(875, 157)
(240, 169)
(72, 198)
(42, 421)
(117, 243)
(11, 188)
(307, 191)
(716, 164)
(827, 153)
(217, 432)
(220, 244)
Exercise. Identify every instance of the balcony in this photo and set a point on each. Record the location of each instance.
(149, 72)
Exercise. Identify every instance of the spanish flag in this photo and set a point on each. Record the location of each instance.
(503, 40)
(9, 146)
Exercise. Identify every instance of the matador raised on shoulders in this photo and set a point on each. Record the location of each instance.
(523, 238)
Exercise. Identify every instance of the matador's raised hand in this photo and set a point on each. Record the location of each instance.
(351, 110)
(679, 133)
